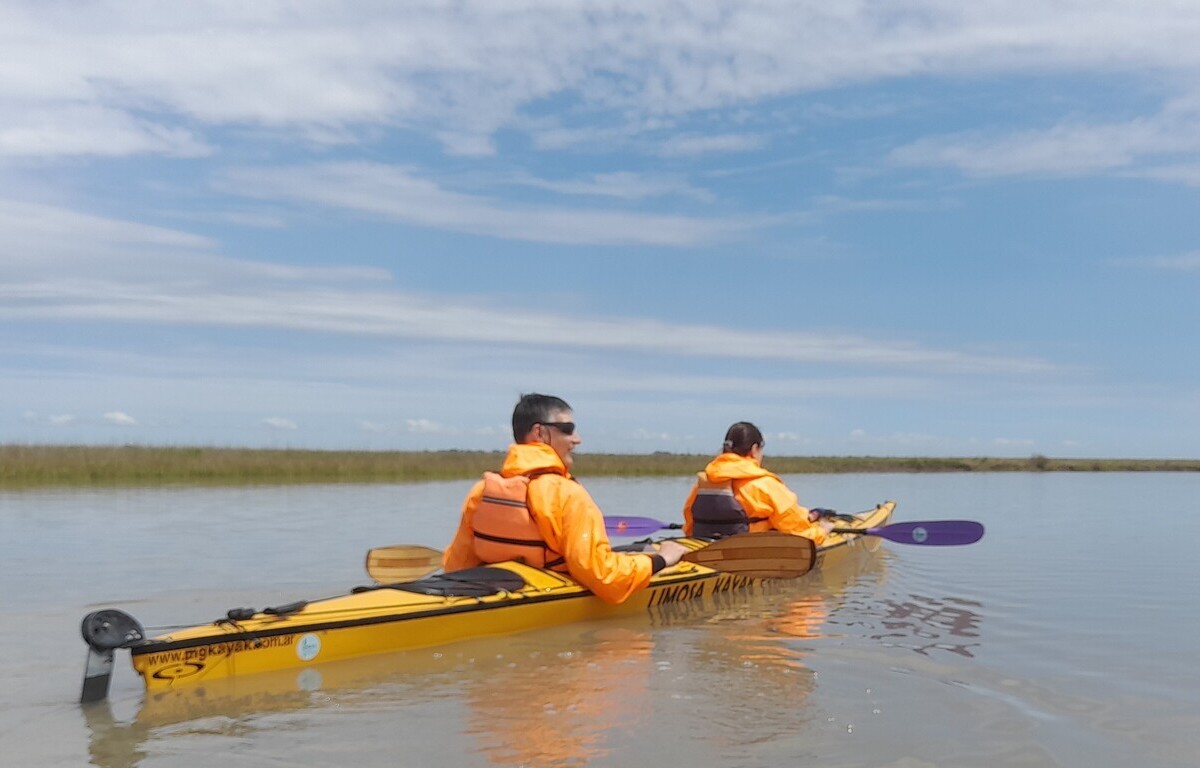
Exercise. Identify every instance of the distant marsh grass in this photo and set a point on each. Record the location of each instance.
(65, 466)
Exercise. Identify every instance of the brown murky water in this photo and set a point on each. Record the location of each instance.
(1065, 638)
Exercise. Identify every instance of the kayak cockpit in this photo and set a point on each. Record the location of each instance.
(469, 582)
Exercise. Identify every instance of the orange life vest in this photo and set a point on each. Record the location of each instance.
(504, 527)
(716, 511)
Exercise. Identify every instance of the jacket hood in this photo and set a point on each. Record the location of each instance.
(730, 466)
(524, 458)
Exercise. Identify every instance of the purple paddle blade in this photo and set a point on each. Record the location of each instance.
(931, 533)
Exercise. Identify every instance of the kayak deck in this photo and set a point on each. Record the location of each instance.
(390, 619)
(507, 598)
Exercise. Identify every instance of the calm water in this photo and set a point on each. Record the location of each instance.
(1067, 637)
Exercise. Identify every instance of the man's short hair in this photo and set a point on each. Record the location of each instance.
(535, 409)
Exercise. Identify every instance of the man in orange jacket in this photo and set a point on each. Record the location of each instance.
(735, 494)
(535, 511)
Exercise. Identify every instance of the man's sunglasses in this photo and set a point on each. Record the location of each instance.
(566, 427)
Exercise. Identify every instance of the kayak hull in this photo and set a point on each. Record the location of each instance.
(382, 620)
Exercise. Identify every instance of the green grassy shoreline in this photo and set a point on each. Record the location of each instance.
(83, 466)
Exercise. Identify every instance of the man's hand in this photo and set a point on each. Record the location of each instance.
(671, 551)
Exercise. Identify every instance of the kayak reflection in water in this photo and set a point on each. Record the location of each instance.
(568, 705)
(721, 672)
(726, 679)
(750, 669)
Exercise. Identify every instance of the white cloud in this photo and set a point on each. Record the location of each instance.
(119, 418)
(44, 244)
(1187, 262)
(61, 420)
(401, 194)
(422, 426)
(641, 434)
(1187, 173)
(161, 276)
(71, 129)
(411, 316)
(898, 439)
(250, 219)
(1068, 149)
(32, 234)
(623, 185)
(141, 81)
(685, 146)
(278, 422)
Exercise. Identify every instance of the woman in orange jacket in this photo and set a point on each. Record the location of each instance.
(735, 494)
(534, 511)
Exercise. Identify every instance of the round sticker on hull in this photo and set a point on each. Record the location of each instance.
(308, 647)
(919, 534)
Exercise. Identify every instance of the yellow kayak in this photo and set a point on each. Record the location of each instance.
(498, 599)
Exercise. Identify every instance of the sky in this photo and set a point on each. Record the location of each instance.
(905, 228)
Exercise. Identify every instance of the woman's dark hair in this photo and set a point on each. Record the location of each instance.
(535, 409)
(741, 437)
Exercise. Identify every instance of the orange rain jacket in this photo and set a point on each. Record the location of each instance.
(761, 494)
(568, 520)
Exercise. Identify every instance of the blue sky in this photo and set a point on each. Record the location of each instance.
(903, 228)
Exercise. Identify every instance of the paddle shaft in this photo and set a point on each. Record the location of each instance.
(928, 533)
(626, 525)
(760, 555)
(636, 526)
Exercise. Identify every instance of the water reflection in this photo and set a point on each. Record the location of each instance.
(113, 744)
(225, 708)
(554, 698)
(569, 710)
(749, 664)
(928, 619)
